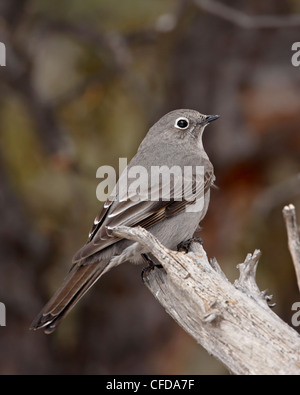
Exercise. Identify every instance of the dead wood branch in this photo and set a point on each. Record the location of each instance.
(233, 322)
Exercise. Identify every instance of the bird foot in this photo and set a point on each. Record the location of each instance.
(151, 265)
(184, 246)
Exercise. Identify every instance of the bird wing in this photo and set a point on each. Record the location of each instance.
(137, 211)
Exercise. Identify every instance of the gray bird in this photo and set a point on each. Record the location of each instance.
(175, 140)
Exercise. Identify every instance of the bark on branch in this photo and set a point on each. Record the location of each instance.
(233, 322)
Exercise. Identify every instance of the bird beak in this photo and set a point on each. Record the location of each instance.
(208, 119)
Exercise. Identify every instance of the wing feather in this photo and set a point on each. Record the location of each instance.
(144, 213)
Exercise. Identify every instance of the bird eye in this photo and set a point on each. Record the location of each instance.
(181, 123)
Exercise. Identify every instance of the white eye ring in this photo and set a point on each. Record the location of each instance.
(184, 121)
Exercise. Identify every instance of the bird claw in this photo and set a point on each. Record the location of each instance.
(185, 245)
(151, 265)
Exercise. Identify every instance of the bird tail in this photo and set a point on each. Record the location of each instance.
(76, 284)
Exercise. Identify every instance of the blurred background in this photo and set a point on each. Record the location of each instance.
(83, 82)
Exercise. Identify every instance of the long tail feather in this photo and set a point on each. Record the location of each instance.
(75, 285)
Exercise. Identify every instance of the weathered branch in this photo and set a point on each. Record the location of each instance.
(289, 214)
(232, 322)
(246, 21)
